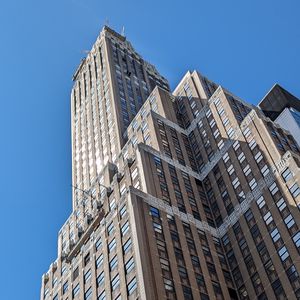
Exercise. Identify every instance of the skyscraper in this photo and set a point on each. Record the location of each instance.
(186, 195)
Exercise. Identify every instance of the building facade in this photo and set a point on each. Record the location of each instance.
(186, 195)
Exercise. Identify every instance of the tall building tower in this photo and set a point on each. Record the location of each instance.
(186, 195)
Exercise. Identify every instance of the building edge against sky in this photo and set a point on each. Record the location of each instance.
(186, 195)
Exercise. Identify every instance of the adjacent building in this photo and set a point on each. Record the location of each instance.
(283, 108)
(192, 194)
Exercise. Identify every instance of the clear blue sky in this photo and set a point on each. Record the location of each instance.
(246, 46)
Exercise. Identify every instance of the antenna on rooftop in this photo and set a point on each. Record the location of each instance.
(123, 31)
(106, 23)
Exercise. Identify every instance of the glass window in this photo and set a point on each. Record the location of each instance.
(283, 253)
(102, 296)
(65, 287)
(110, 228)
(129, 265)
(275, 235)
(260, 202)
(115, 282)
(295, 190)
(154, 212)
(87, 275)
(281, 204)
(112, 204)
(113, 263)
(88, 294)
(125, 228)
(100, 278)
(112, 245)
(289, 221)
(268, 218)
(131, 286)
(76, 290)
(296, 239)
(127, 246)
(286, 174)
(99, 261)
(122, 211)
(98, 243)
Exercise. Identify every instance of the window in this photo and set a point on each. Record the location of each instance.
(113, 263)
(112, 245)
(75, 273)
(168, 284)
(100, 279)
(281, 204)
(65, 287)
(225, 157)
(115, 282)
(253, 184)
(76, 290)
(122, 211)
(236, 145)
(131, 286)
(268, 218)
(87, 259)
(235, 183)
(88, 294)
(157, 227)
(265, 170)
(56, 297)
(273, 188)
(54, 281)
(252, 144)
(112, 204)
(289, 221)
(296, 239)
(247, 170)
(134, 173)
(110, 228)
(87, 275)
(295, 190)
(283, 253)
(98, 244)
(258, 157)
(125, 228)
(102, 296)
(127, 246)
(241, 157)
(123, 190)
(129, 265)
(260, 202)
(187, 292)
(286, 174)
(99, 261)
(275, 235)
(154, 212)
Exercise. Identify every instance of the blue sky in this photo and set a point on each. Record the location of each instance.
(246, 46)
